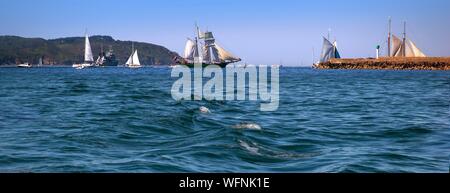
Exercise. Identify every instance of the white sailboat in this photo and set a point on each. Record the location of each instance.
(133, 60)
(88, 57)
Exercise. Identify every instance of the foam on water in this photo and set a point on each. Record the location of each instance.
(250, 126)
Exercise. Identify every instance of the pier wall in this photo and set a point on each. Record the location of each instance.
(427, 63)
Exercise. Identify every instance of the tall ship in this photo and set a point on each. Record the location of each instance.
(203, 49)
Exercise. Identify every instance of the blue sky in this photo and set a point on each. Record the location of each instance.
(259, 31)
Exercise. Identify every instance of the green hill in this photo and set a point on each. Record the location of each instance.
(66, 51)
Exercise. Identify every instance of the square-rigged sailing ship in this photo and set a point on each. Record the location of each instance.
(212, 53)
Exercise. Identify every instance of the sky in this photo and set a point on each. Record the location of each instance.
(258, 31)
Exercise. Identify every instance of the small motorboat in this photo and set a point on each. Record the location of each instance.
(24, 65)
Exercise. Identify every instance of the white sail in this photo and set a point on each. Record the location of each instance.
(412, 50)
(136, 59)
(407, 49)
(189, 50)
(327, 51)
(225, 55)
(88, 57)
(130, 60)
(396, 46)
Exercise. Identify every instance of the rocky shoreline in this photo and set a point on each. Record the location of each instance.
(426, 63)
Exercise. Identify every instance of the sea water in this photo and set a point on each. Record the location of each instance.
(125, 120)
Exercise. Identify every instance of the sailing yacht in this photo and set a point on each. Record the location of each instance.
(133, 60)
(211, 52)
(88, 57)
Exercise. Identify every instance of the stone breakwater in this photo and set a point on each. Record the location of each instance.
(427, 63)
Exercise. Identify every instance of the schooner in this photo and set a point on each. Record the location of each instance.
(402, 47)
(88, 57)
(211, 52)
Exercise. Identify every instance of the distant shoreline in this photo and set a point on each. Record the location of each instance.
(69, 66)
(385, 63)
(70, 50)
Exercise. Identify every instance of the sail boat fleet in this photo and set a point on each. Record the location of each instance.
(132, 62)
(396, 47)
(204, 50)
(211, 53)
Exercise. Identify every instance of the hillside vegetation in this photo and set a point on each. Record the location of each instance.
(66, 51)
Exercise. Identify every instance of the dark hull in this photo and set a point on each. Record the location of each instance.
(111, 63)
(191, 65)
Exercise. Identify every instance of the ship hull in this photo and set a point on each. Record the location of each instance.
(110, 62)
(23, 66)
(192, 65)
(84, 65)
(134, 66)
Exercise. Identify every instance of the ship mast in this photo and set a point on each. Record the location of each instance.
(196, 54)
(101, 45)
(389, 38)
(197, 37)
(132, 52)
(329, 31)
(404, 39)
